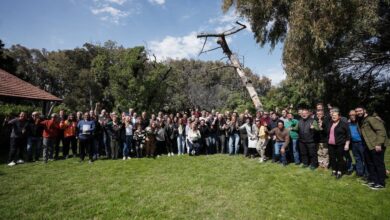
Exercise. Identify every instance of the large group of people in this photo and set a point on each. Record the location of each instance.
(310, 139)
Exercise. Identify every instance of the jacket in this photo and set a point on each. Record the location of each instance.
(86, 129)
(342, 133)
(290, 124)
(305, 132)
(281, 136)
(114, 130)
(373, 132)
(50, 128)
(19, 128)
(69, 128)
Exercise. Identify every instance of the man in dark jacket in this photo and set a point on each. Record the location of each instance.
(18, 139)
(34, 140)
(376, 141)
(306, 128)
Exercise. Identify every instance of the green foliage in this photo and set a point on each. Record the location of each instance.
(334, 51)
(121, 78)
(12, 109)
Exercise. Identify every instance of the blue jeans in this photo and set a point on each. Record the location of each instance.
(180, 144)
(234, 139)
(294, 144)
(277, 147)
(358, 154)
(127, 144)
(34, 147)
(348, 161)
(194, 146)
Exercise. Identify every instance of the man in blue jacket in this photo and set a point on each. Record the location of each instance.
(86, 128)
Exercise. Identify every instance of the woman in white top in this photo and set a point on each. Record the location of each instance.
(193, 139)
(251, 130)
(128, 138)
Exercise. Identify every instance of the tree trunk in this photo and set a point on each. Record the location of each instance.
(247, 83)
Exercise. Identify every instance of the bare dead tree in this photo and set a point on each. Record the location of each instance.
(233, 59)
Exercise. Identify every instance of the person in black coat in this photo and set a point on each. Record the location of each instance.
(338, 136)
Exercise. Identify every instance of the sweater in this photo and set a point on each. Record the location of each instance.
(85, 129)
(50, 128)
(290, 124)
(282, 135)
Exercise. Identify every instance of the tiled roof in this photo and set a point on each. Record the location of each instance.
(12, 86)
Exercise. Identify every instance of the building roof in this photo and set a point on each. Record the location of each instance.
(12, 86)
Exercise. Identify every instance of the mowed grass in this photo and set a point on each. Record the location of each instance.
(204, 187)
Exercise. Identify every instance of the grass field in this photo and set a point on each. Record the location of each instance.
(204, 187)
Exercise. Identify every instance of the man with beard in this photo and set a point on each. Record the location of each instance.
(376, 141)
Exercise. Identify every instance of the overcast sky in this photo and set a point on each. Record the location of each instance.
(167, 28)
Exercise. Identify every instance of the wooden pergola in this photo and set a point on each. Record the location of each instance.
(11, 87)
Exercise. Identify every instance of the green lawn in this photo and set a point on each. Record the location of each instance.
(212, 187)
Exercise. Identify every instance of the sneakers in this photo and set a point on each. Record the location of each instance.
(90, 161)
(369, 184)
(261, 160)
(12, 164)
(377, 187)
(124, 158)
(20, 161)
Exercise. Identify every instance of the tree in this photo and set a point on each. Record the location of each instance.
(332, 49)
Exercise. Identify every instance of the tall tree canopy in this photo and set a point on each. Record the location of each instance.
(121, 78)
(334, 51)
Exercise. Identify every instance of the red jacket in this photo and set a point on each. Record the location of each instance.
(51, 128)
(69, 128)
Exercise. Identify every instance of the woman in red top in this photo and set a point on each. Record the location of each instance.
(69, 126)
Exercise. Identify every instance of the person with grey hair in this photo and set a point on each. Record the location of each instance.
(347, 153)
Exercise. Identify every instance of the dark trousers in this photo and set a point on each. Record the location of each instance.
(86, 145)
(107, 146)
(194, 146)
(69, 142)
(376, 165)
(17, 146)
(160, 147)
(336, 156)
(59, 139)
(269, 150)
(244, 144)
(138, 148)
(169, 145)
(309, 153)
(221, 144)
(348, 161)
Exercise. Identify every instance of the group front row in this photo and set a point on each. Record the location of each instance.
(316, 139)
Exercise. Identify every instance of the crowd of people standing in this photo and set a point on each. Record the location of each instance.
(311, 139)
